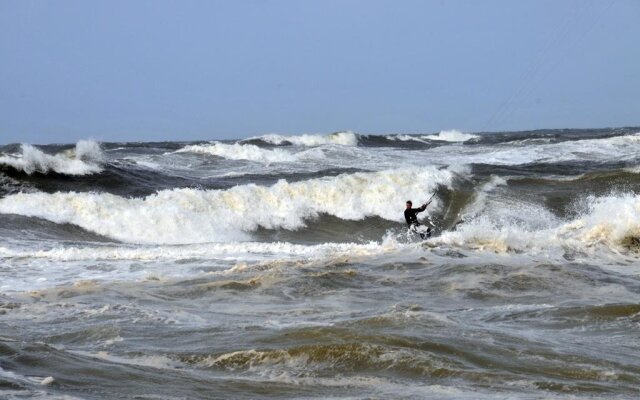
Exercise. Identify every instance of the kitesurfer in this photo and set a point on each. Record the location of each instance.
(412, 218)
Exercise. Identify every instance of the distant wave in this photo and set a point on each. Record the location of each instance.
(405, 138)
(251, 152)
(181, 216)
(339, 138)
(619, 148)
(451, 136)
(239, 151)
(442, 136)
(632, 139)
(85, 159)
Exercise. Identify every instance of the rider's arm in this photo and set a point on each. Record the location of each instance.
(424, 206)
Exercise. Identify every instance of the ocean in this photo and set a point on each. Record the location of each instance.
(280, 267)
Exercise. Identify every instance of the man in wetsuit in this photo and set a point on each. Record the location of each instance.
(412, 218)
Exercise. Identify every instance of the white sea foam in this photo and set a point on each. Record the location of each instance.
(451, 136)
(66, 264)
(85, 159)
(256, 251)
(196, 216)
(346, 138)
(611, 222)
(239, 151)
(619, 148)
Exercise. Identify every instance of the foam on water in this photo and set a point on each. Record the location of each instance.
(613, 220)
(451, 136)
(610, 222)
(528, 297)
(83, 160)
(181, 216)
(613, 149)
(347, 138)
(34, 269)
(246, 250)
(297, 159)
(619, 148)
(239, 151)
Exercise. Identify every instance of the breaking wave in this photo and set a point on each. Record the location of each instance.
(181, 216)
(239, 151)
(442, 136)
(339, 138)
(612, 221)
(451, 136)
(84, 159)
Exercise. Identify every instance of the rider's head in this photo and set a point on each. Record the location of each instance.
(409, 204)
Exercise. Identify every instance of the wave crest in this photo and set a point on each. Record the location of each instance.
(239, 151)
(611, 221)
(346, 138)
(451, 136)
(84, 159)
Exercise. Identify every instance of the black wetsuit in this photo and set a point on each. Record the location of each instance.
(412, 219)
(410, 215)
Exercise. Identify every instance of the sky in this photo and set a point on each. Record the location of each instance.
(191, 70)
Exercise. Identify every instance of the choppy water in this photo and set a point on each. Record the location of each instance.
(280, 267)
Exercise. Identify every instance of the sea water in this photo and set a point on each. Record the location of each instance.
(281, 267)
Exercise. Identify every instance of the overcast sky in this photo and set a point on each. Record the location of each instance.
(181, 70)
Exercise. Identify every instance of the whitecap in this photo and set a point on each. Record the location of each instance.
(85, 159)
(239, 151)
(346, 138)
(451, 136)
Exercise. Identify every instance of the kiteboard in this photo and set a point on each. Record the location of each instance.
(422, 231)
